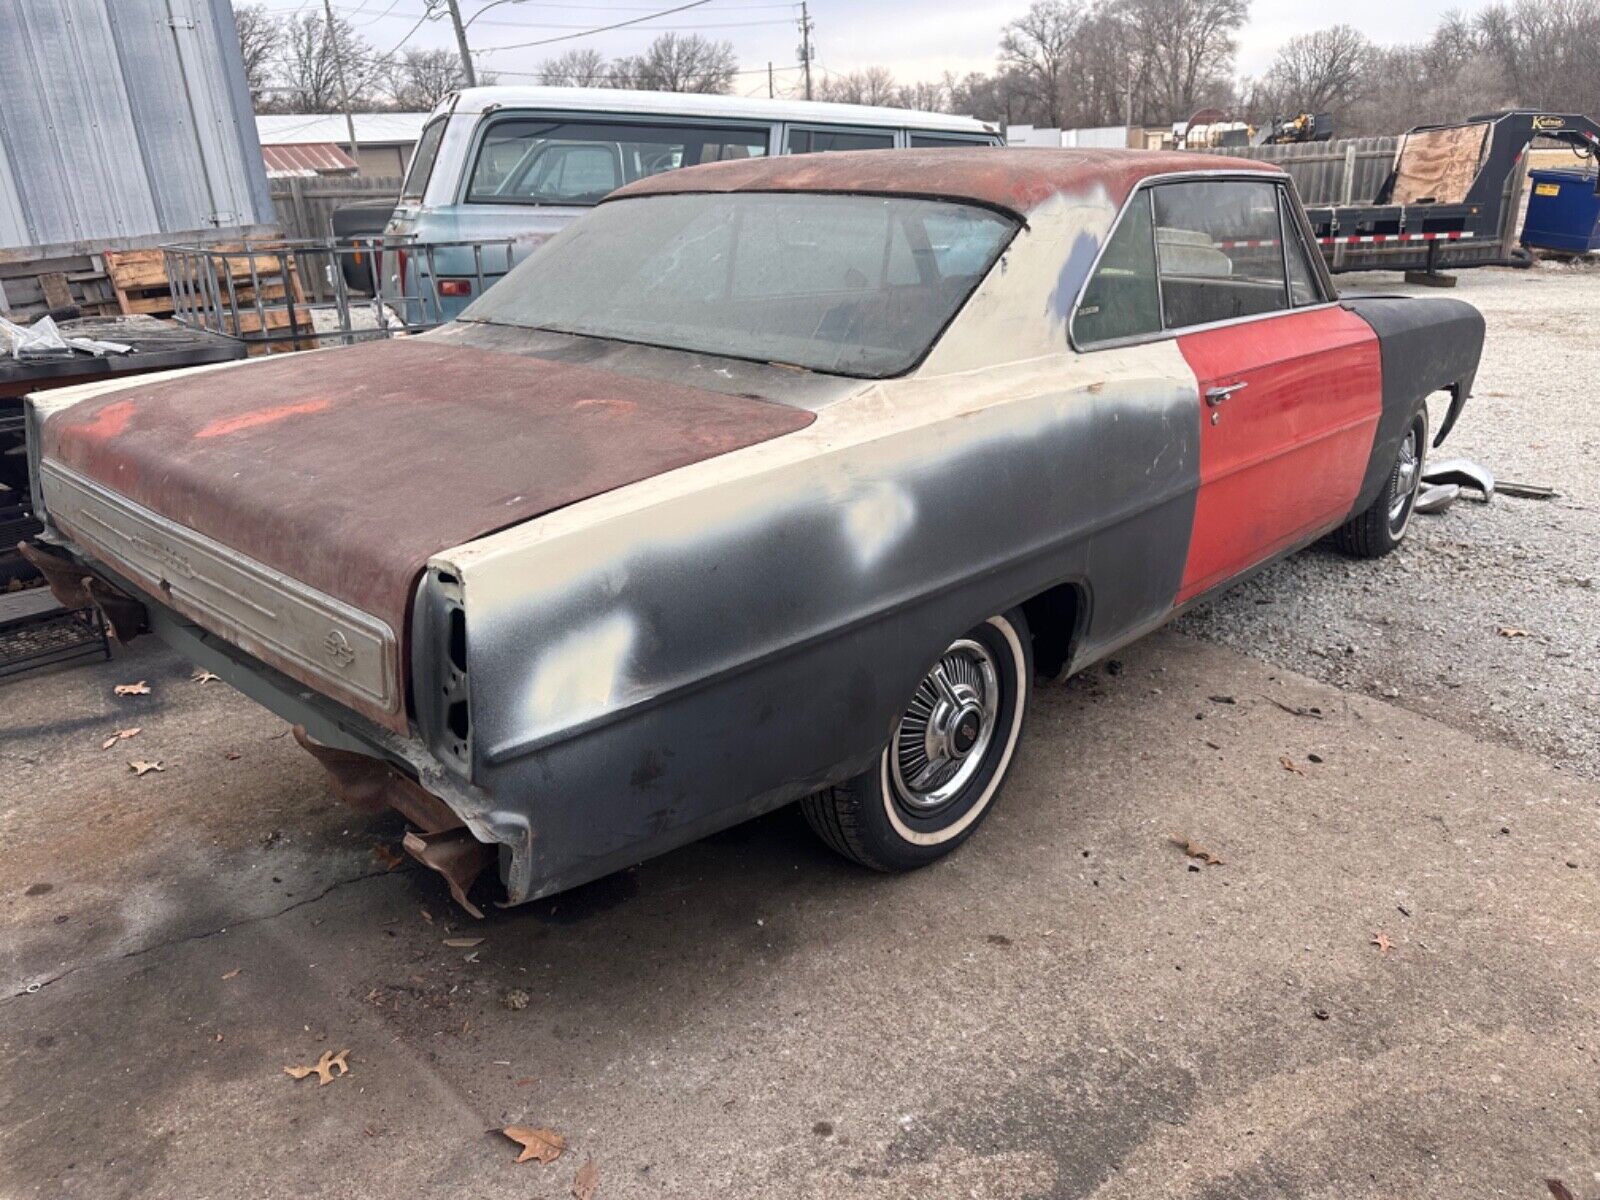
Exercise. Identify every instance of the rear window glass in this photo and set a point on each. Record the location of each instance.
(1121, 299)
(535, 161)
(423, 159)
(851, 285)
(816, 141)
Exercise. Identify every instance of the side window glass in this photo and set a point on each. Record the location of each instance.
(422, 160)
(1303, 285)
(1219, 251)
(816, 141)
(1121, 300)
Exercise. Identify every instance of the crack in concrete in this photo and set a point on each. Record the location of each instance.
(36, 986)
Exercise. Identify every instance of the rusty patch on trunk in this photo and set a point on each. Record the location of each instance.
(348, 469)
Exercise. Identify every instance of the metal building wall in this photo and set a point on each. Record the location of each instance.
(124, 120)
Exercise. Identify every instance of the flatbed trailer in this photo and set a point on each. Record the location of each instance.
(1452, 199)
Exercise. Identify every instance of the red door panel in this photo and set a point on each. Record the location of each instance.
(1282, 458)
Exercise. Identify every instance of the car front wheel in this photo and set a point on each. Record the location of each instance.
(946, 760)
(1378, 530)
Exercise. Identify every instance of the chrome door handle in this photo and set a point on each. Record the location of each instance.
(1216, 395)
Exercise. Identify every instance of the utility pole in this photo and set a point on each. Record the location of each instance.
(467, 73)
(344, 84)
(805, 43)
(769, 81)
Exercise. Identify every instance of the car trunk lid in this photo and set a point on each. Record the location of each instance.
(241, 497)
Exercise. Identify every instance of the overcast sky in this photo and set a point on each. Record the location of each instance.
(918, 40)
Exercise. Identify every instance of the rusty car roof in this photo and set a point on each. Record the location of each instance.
(1014, 179)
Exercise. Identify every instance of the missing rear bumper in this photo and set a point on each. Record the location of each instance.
(442, 842)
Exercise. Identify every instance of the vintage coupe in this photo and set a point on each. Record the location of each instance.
(767, 481)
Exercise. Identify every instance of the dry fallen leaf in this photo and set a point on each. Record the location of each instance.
(543, 1145)
(140, 767)
(232, 974)
(203, 676)
(325, 1068)
(132, 689)
(463, 943)
(388, 856)
(120, 735)
(588, 1181)
(1559, 1190)
(1511, 631)
(1382, 942)
(1195, 851)
(233, 756)
(1290, 765)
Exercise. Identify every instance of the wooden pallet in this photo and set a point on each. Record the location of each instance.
(139, 278)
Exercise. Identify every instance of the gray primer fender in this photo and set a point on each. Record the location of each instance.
(1426, 343)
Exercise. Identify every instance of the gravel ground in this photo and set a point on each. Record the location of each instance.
(1425, 628)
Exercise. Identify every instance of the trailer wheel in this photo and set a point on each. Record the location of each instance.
(946, 760)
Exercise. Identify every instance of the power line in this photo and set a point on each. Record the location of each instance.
(567, 37)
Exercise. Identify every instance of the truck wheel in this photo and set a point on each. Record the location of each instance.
(1379, 529)
(946, 759)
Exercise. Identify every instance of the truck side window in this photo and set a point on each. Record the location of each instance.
(815, 141)
(1219, 250)
(1121, 300)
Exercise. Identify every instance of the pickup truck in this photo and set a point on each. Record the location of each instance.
(766, 481)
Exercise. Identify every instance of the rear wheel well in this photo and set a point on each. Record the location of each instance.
(1053, 618)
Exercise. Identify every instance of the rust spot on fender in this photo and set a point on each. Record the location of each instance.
(262, 416)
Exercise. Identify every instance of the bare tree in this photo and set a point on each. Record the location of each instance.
(575, 68)
(1036, 48)
(419, 79)
(1316, 72)
(679, 63)
(924, 97)
(1187, 49)
(875, 85)
(259, 34)
(1547, 49)
(309, 61)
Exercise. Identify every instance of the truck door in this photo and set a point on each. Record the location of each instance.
(1289, 386)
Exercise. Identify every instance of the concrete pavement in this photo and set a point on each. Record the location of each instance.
(1069, 1006)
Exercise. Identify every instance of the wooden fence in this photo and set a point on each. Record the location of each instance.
(1349, 171)
(304, 207)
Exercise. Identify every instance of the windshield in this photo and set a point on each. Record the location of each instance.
(850, 285)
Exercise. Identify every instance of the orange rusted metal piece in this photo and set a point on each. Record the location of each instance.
(76, 589)
(441, 841)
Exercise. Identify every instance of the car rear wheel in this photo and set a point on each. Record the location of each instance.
(1378, 530)
(946, 760)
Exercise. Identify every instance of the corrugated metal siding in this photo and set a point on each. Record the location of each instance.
(1319, 168)
(124, 119)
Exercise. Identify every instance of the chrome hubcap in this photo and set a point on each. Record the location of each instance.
(940, 741)
(1407, 474)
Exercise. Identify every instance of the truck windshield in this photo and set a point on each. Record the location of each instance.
(850, 285)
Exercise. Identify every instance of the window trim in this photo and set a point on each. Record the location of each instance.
(1147, 185)
(496, 116)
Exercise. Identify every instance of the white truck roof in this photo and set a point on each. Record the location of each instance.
(694, 104)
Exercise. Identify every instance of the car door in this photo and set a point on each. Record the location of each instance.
(1290, 385)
